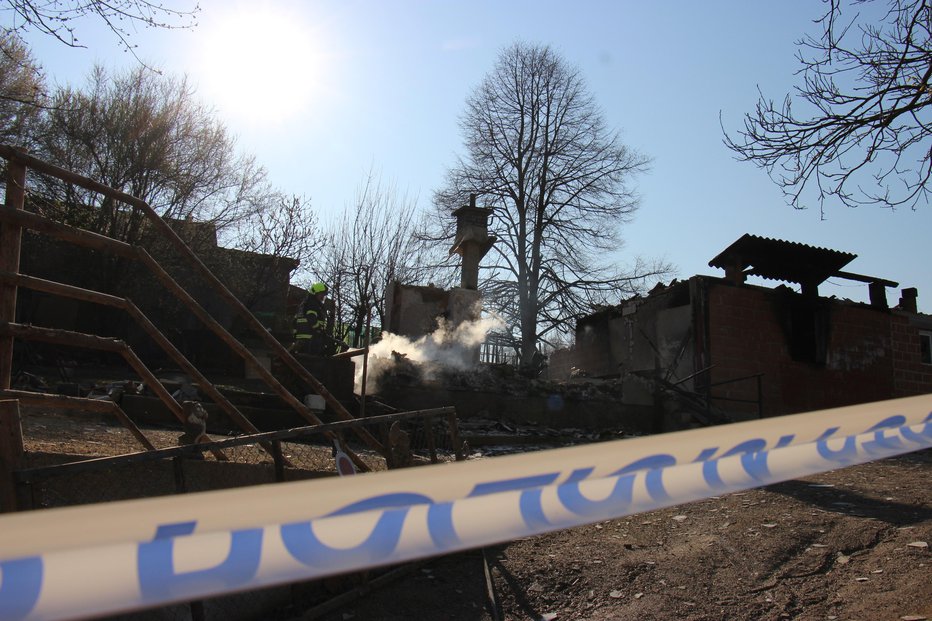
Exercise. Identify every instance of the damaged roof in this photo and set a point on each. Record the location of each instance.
(777, 259)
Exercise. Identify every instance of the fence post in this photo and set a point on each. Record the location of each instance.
(428, 423)
(279, 460)
(10, 239)
(455, 437)
(11, 454)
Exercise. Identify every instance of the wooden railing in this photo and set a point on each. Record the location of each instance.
(14, 218)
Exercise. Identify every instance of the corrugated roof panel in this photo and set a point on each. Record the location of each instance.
(778, 259)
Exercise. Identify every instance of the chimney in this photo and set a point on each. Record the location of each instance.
(734, 273)
(472, 240)
(908, 300)
(877, 292)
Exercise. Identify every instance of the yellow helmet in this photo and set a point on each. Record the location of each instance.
(318, 287)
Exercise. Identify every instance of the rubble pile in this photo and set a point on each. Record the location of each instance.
(487, 438)
(401, 372)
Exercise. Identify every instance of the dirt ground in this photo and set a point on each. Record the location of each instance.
(848, 544)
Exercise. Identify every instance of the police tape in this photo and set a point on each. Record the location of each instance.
(157, 551)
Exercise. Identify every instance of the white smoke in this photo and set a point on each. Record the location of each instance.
(451, 347)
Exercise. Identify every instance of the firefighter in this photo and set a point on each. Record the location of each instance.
(310, 321)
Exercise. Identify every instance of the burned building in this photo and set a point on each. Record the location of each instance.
(737, 350)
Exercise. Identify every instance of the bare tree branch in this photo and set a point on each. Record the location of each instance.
(862, 137)
(59, 18)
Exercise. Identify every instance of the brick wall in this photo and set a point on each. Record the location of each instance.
(870, 354)
(911, 377)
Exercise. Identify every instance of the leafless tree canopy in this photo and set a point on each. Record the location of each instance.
(862, 133)
(285, 228)
(22, 90)
(147, 135)
(558, 182)
(59, 18)
(372, 245)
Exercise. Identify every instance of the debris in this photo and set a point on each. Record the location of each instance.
(535, 588)
(769, 525)
(862, 579)
(195, 425)
(616, 594)
(918, 544)
(638, 595)
(842, 559)
(913, 618)
(185, 392)
(679, 518)
(399, 446)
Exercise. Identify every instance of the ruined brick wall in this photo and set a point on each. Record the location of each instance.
(593, 346)
(641, 334)
(866, 354)
(560, 363)
(910, 375)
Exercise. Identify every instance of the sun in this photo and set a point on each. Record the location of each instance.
(260, 64)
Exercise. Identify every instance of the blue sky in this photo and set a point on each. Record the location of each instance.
(381, 85)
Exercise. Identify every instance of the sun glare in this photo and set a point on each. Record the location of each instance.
(260, 64)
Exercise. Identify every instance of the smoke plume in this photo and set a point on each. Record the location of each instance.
(450, 347)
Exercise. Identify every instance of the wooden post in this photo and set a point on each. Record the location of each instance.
(10, 239)
(455, 437)
(365, 365)
(279, 460)
(11, 454)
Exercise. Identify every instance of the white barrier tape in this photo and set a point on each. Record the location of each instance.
(37, 532)
(188, 559)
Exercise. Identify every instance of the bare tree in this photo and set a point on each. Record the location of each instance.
(147, 135)
(285, 230)
(862, 136)
(22, 90)
(557, 181)
(372, 245)
(59, 18)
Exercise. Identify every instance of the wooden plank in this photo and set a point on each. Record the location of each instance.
(90, 341)
(96, 463)
(11, 454)
(83, 405)
(10, 239)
